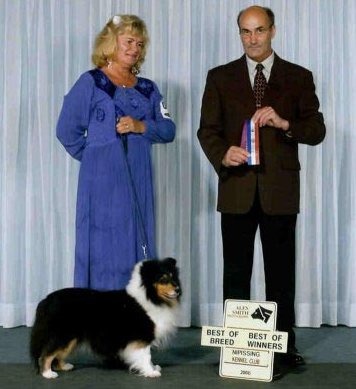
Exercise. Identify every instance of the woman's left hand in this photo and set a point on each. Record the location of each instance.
(128, 124)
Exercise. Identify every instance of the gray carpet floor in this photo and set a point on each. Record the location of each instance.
(330, 353)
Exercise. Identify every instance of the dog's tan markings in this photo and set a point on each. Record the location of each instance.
(59, 355)
(63, 354)
(46, 366)
(138, 344)
(166, 291)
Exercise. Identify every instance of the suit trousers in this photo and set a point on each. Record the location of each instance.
(277, 234)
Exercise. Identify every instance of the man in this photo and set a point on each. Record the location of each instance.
(265, 195)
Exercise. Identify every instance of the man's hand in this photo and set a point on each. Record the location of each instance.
(267, 116)
(235, 156)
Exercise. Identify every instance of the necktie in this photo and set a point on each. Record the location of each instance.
(259, 85)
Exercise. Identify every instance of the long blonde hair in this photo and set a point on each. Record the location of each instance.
(105, 45)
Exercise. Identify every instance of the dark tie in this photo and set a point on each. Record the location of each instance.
(259, 85)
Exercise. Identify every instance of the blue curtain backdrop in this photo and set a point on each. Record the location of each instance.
(46, 44)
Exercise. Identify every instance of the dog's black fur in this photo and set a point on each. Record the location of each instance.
(116, 324)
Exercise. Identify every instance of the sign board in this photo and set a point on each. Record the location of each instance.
(248, 340)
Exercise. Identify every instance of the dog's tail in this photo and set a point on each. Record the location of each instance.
(39, 334)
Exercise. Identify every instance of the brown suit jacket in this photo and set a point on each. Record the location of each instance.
(227, 101)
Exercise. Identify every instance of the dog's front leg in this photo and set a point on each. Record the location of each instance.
(138, 358)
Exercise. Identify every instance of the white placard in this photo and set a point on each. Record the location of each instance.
(248, 340)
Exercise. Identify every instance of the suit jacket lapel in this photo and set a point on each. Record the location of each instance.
(276, 82)
(240, 85)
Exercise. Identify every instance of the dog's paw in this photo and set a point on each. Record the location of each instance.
(49, 374)
(150, 373)
(157, 368)
(67, 367)
(153, 374)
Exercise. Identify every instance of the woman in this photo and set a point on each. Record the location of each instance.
(109, 120)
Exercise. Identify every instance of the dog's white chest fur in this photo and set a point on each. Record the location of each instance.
(164, 318)
(165, 322)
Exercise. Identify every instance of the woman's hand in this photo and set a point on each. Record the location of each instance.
(128, 124)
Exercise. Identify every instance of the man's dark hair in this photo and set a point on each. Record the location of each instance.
(268, 11)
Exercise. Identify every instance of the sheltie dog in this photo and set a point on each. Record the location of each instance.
(117, 325)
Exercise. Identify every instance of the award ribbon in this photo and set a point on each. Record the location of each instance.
(250, 141)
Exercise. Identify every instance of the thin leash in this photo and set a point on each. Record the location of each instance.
(142, 230)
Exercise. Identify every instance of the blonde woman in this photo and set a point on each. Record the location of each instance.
(109, 121)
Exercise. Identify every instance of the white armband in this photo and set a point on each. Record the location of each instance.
(164, 110)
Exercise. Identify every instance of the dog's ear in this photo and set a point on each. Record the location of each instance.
(170, 261)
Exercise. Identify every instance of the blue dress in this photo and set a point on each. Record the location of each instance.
(115, 208)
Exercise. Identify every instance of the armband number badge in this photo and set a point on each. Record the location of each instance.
(164, 110)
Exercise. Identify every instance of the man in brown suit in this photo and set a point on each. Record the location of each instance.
(266, 195)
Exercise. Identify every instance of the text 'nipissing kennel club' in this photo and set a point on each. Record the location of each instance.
(248, 340)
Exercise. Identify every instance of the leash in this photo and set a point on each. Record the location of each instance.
(142, 229)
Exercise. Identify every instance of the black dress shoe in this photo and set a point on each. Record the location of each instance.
(277, 373)
(277, 370)
(292, 358)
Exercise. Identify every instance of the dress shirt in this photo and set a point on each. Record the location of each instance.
(267, 67)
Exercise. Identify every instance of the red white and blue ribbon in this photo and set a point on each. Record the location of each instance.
(250, 141)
